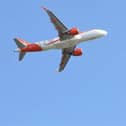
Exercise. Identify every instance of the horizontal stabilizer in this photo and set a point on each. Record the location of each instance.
(21, 55)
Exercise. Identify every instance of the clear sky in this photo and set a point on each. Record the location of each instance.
(92, 89)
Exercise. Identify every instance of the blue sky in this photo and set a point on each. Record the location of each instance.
(92, 89)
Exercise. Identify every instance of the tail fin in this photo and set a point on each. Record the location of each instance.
(20, 44)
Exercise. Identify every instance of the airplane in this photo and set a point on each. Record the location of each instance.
(66, 41)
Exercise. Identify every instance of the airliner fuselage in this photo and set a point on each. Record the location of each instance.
(56, 43)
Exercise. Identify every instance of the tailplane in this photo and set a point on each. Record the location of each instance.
(20, 44)
(21, 55)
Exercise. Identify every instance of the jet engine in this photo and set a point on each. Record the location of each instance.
(77, 52)
(73, 31)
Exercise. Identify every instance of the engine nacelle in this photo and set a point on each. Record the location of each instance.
(73, 31)
(77, 52)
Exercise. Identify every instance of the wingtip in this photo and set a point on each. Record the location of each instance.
(44, 8)
(58, 71)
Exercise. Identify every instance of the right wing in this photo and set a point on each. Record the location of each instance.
(66, 54)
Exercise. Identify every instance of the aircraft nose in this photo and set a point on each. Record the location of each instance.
(102, 32)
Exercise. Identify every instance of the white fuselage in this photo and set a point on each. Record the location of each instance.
(81, 37)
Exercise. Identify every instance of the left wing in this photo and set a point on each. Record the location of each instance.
(60, 27)
(66, 54)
